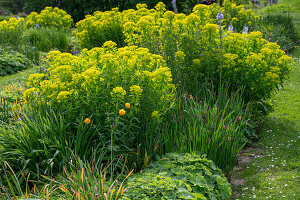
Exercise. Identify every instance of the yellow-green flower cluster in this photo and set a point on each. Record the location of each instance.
(50, 17)
(103, 75)
(130, 24)
(118, 92)
(255, 63)
(96, 29)
(11, 25)
(11, 31)
(191, 45)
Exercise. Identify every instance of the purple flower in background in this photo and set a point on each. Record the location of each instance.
(37, 25)
(230, 28)
(75, 52)
(18, 17)
(245, 29)
(220, 16)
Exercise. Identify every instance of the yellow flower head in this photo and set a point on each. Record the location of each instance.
(155, 114)
(87, 121)
(122, 112)
(118, 92)
(135, 89)
(127, 105)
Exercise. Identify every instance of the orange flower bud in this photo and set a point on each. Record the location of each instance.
(122, 112)
(87, 121)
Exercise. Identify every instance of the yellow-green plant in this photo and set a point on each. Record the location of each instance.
(258, 65)
(195, 49)
(131, 74)
(196, 46)
(11, 31)
(100, 83)
(50, 17)
(96, 29)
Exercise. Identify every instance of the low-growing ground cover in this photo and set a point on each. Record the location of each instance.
(274, 171)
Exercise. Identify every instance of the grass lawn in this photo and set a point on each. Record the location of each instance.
(274, 173)
(18, 77)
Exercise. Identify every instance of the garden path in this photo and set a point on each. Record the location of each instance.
(271, 168)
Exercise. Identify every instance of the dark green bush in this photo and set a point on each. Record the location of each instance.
(78, 8)
(11, 62)
(4, 18)
(179, 176)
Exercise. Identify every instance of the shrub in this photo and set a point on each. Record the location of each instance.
(258, 65)
(98, 83)
(11, 31)
(50, 17)
(95, 29)
(11, 62)
(4, 17)
(78, 9)
(194, 47)
(194, 50)
(179, 176)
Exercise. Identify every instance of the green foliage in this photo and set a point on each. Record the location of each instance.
(279, 28)
(88, 181)
(37, 33)
(45, 39)
(97, 84)
(195, 46)
(80, 179)
(13, 6)
(278, 148)
(11, 62)
(195, 49)
(78, 9)
(41, 140)
(96, 29)
(10, 103)
(211, 123)
(36, 144)
(179, 176)
(4, 18)
(239, 2)
(11, 32)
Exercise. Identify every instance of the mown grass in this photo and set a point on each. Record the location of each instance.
(274, 173)
(19, 77)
